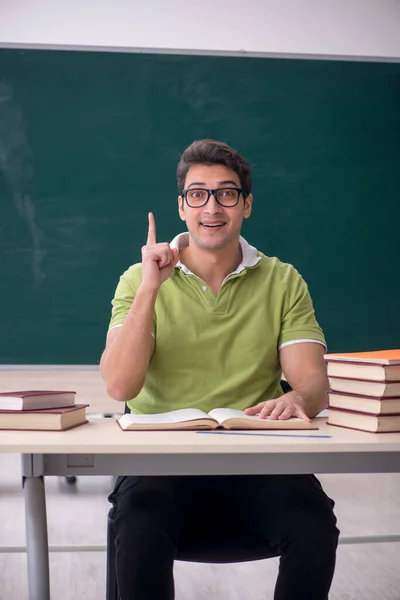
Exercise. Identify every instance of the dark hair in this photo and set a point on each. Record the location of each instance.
(210, 152)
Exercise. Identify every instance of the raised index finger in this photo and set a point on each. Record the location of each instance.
(151, 236)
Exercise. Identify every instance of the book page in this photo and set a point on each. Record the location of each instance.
(175, 416)
(222, 414)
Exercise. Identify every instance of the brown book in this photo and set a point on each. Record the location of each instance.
(360, 387)
(192, 418)
(367, 404)
(50, 419)
(364, 421)
(35, 399)
(381, 365)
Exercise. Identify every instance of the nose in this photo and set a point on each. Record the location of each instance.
(212, 207)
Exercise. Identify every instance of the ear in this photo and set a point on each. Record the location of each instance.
(181, 207)
(248, 203)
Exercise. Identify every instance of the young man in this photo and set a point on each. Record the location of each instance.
(208, 321)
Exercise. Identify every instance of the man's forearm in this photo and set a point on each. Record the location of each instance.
(125, 361)
(313, 393)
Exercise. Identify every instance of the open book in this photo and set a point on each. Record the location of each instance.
(192, 418)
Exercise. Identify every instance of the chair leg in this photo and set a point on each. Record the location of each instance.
(111, 581)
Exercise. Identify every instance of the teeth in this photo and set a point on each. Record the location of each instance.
(217, 225)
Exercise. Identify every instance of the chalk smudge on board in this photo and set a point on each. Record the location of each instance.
(16, 163)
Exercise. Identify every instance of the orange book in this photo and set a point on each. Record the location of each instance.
(379, 365)
(381, 357)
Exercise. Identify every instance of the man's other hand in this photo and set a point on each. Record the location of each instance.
(288, 405)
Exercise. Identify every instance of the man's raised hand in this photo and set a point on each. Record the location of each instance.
(158, 260)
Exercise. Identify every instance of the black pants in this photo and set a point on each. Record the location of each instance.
(291, 512)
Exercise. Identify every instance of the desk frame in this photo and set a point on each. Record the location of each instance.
(36, 466)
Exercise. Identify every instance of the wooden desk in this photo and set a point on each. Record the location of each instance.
(101, 448)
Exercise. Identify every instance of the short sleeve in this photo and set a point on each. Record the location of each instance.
(298, 319)
(124, 296)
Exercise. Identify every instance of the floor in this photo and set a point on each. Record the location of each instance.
(365, 504)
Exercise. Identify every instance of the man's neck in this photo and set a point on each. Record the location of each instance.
(212, 266)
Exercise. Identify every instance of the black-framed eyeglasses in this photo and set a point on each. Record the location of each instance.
(227, 197)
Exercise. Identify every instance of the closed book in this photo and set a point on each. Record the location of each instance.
(35, 399)
(50, 419)
(381, 365)
(192, 418)
(360, 387)
(364, 421)
(368, 404)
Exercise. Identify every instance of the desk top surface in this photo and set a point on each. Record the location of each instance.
(103, 436)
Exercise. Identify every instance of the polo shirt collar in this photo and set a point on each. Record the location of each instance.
(250, 257)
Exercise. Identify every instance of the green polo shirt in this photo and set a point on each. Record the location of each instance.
(220, 351)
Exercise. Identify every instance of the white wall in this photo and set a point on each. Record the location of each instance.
(348, 28)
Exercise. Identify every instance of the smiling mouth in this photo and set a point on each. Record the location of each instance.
(213, 225)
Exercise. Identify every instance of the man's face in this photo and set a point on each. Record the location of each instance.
(213, 226)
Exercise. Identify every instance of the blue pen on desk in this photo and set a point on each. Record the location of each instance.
(264, 434)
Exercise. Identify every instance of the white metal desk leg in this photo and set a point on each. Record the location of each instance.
(37, 546)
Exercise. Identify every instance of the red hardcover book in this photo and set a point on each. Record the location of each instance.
(363, 421)
(365, 404)
(36, 399)
(362, 387)
(50, 419)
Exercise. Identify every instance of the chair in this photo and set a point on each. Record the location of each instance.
(211, 541)
(207, 542)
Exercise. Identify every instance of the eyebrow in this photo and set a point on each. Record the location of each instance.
(219, 183)
(228, 181)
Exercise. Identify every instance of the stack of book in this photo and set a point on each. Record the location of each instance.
(365, 390)
(44, 410)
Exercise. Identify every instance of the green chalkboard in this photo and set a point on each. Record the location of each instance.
(89, 143)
